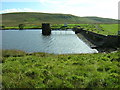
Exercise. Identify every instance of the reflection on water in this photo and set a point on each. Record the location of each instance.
(59, 42)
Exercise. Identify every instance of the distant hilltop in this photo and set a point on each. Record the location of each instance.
(34, 18)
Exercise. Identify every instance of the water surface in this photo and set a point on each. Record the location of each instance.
(59, 42)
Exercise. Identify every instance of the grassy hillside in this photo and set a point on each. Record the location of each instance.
(102, 20)
(40, 70)
(32, 18)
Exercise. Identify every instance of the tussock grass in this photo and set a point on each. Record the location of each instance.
(42, 70)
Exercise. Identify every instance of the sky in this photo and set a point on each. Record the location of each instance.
(99, 8)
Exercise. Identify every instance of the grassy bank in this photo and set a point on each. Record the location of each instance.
(41, 70)
(104, 29)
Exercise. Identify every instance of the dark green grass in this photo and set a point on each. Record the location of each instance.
(42, 70)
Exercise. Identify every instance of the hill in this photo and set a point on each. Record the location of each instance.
(102, 20)
(13, 19)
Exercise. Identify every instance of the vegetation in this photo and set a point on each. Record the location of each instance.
(3, 27)
(21, 26)
(103, 20)
(104, 29)
(30, 18)
(42, 70)
(110, 28)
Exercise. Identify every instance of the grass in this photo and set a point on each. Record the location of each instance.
(110, 29)
(42, 70)
(14, 19)
(104, 29)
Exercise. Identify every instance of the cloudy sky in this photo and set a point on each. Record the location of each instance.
(100, 8)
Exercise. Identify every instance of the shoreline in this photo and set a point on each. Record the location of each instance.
(19, 29)
(37, 29)
(98, 48)
(84, 38)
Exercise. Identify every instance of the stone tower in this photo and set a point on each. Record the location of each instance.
(46, 30)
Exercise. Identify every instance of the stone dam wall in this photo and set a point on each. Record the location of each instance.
(100, 41)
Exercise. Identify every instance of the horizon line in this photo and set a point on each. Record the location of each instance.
(59, 13)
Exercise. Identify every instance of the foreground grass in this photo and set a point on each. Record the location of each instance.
(41, 70)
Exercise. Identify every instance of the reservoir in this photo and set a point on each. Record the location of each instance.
(59, 42)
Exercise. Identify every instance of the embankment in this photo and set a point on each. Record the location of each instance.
(100, 42)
